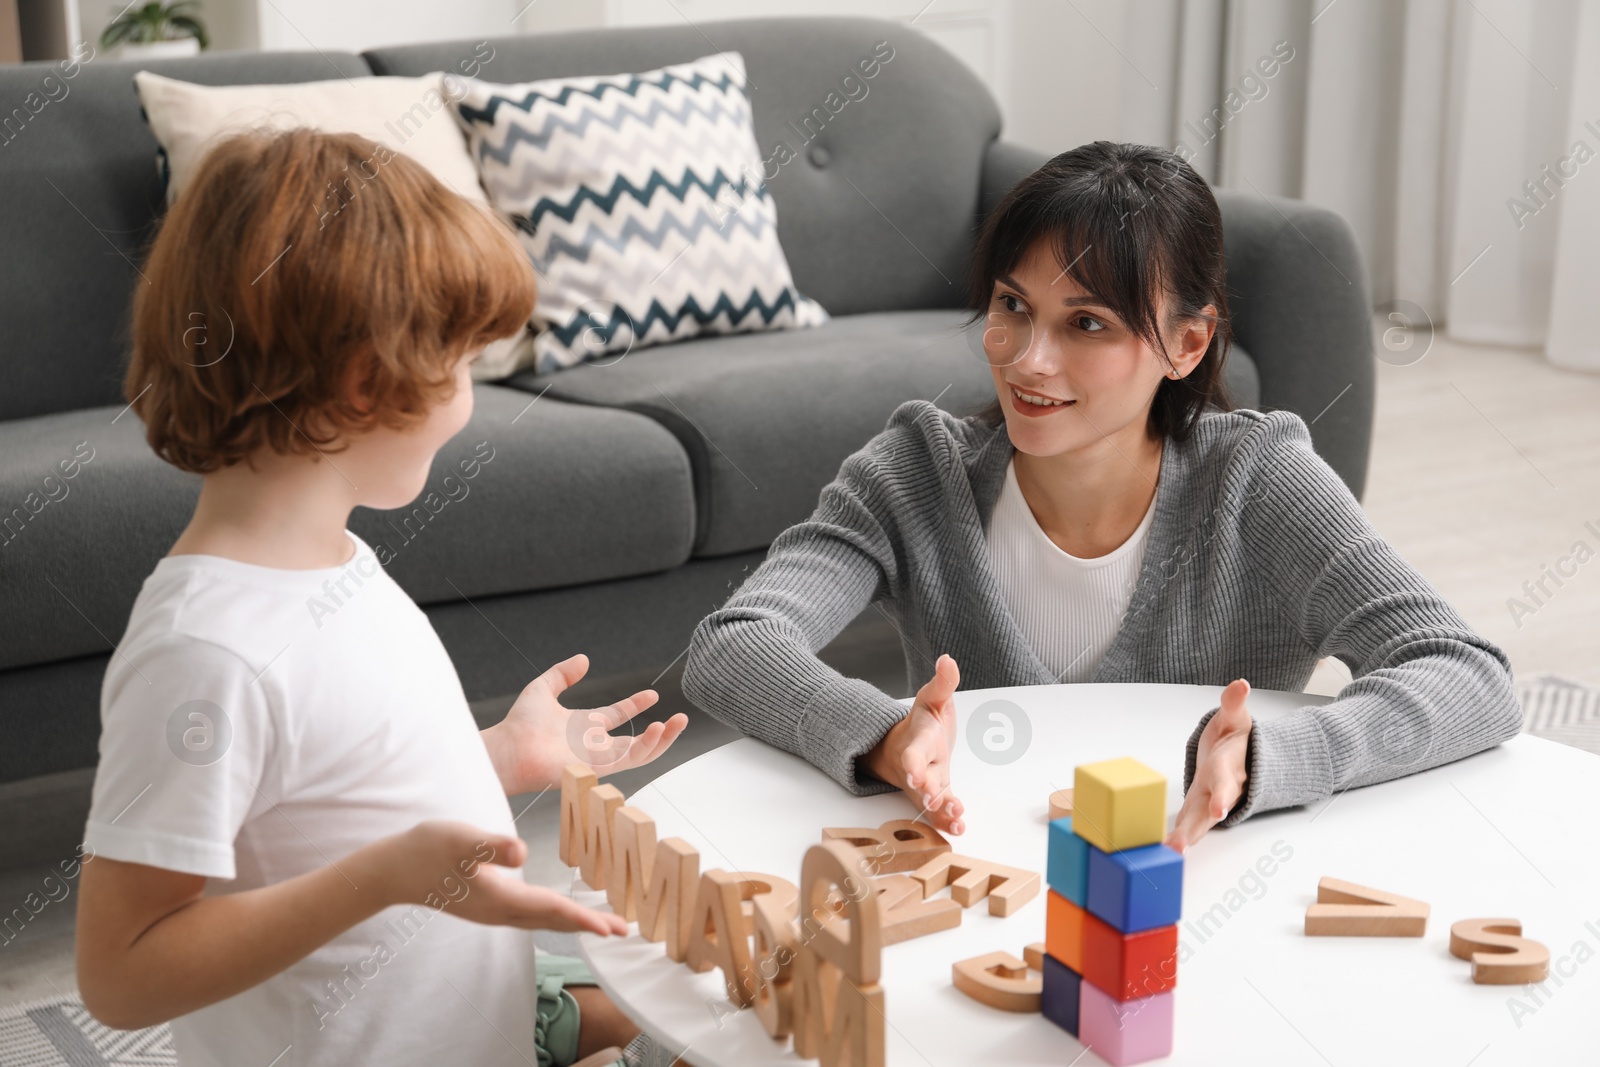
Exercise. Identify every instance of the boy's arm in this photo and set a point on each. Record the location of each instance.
(151, 946)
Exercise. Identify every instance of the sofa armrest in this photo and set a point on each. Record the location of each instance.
(1004, 164)
(1300, 300)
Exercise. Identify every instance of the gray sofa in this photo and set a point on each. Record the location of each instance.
(630, 498)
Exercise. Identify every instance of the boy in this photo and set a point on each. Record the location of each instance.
(304, 853)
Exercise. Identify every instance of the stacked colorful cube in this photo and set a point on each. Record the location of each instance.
(1111, 934)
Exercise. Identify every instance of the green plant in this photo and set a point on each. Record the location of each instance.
(155, 21)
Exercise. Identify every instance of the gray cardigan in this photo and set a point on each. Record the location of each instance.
(1258, 563)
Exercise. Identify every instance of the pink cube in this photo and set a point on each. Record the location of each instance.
(1125, 1031)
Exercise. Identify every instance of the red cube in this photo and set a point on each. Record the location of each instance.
(1129, 966)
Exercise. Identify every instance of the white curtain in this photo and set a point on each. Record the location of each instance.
(1460, 138)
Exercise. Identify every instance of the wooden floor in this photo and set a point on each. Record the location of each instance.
(1485, 469)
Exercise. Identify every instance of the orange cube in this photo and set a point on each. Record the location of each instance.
(1063, 930)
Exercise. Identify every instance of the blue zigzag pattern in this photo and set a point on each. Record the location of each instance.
(607, 201)
(630, 87)
(607, 329)
(634, 229)
(517, 135)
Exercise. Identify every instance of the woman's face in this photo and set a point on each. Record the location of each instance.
(1067, 371)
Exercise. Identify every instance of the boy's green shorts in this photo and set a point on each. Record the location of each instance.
(556, 1016)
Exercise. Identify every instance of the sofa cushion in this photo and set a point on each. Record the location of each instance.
(79, 195)
(871, 137)
(524, 498)
(564, 494)
(640, 200)
(86, 509)
(768, 418)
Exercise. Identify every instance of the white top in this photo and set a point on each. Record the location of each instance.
(259, 723)
(1068, 608)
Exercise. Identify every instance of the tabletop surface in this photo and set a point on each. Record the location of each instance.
(1509, 832)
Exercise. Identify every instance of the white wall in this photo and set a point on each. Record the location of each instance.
(354, 25)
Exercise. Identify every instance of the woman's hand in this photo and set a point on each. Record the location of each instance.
(1220, 769)
(539, 736)
(915, 753)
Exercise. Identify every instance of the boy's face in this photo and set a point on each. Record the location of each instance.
(390, 467)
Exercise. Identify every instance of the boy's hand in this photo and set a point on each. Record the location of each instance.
(539, 736)
(1220, 769)
(462, 869)
(915, 753)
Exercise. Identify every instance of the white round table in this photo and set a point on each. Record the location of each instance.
(1508, 832)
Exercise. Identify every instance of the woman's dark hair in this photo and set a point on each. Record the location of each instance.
(1126, 221)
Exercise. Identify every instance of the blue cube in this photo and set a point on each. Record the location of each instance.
(1137, 888)
(1067, 862)
(1063, 987)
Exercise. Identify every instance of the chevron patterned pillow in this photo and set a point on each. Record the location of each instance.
(640, 200)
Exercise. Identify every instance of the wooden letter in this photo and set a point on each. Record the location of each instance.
(906, 915)
(1061, 804)
(595, 857)
(667, 901)
(576, 781)
(897, 846)
(835, 1019)
(1344, 909)
(633, 848)
(1499, 956)
(719, 933)
(717, 922)
(775, 946)
(851, 937)
(999, 980)
(1034, 954)
(914, 844)
(895, 890)
(970, 880)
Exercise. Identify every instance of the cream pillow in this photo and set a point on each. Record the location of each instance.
(408, 115)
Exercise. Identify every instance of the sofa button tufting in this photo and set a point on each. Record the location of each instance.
(818, 156)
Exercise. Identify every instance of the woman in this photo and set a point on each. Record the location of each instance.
(1110, 518)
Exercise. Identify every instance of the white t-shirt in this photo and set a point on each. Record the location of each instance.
(1068, 608)
(259, 723)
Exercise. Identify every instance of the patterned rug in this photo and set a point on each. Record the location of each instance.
(1561, 709)
(58, 1032)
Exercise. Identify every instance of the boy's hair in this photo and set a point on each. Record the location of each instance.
(308, 285)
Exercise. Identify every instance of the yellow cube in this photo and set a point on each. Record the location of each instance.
(1119, 804)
